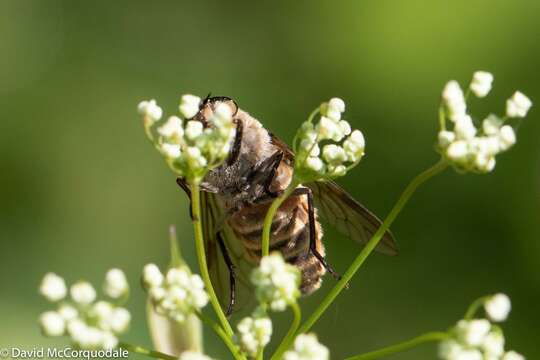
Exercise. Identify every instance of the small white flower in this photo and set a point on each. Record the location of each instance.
(52, 323)
(345, 127)
(339, 170)
(53, 287)
(102, 311)
(150, 109)
(464, 128)
(82, 293)
(484, 162)
(307, 347)
(507, 137)
(189, 105)
(119, 321)
(518, 105)
(337, 104)
(493, 344)
(195, 157)
(68, 312)
(491, 125)
(152, 276)
(454, 100)
(223, 112)
(314, 163)
(446, 138)
(254, 334)
(450, 349)
(498, 307)
(333, 109)
(354, 146)
(512, 355)
(329, 129)
(481, 83)
(116, 284)
(108, 340)
(193, 355)
(315, 150)
(172, 129)
(457, 150)
(178, 294)
(470, 354)
(276, 282)
(193, 129)
(171, 151)
(473, 332)
(334, 154)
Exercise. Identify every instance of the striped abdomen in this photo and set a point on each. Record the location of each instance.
(289, 235)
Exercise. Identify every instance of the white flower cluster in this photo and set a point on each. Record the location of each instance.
(307, 347)
(342, 148)
(478, 339)
(254, 333)
(89, 324)
(176, 294)
(191, 147)
(193, 355)
(276, 282)
(470, 148)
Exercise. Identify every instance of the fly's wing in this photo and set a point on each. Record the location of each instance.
(211, 218)
(340, 210)
(347, 215)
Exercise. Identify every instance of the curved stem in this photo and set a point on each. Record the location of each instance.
(289, 338)
(405, 345)
(372, 243)
(219, 331)
(473, 308)
(144, 351)
(270, 217)
(201, 255)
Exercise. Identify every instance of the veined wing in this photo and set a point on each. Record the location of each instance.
(211, 216)
(342, 211)
(347, 215)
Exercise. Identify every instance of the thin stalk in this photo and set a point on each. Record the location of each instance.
(201, 255)
(372, 243)
(289, 338)
(144, 351)
(406, 345)
(473, 308)
(270, 217)
(219, 331)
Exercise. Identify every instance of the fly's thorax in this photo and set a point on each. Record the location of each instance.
(233, 180)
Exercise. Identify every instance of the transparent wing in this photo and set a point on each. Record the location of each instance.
(211, 217)
(348, 216)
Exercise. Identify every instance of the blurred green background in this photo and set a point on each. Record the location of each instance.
(82, 190)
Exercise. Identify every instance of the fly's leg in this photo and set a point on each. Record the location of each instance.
(232, 275)
(312, 231)
(183, 184)
(235, 151)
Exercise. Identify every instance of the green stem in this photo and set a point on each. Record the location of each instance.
(406, 345)
(372, 243)
(270, 217)
(150, 353)
(176, 256)
(289, 338)
(219, 331)
(201, 255)
(473, 308)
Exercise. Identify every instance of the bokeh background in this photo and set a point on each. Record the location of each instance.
(82, 190)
